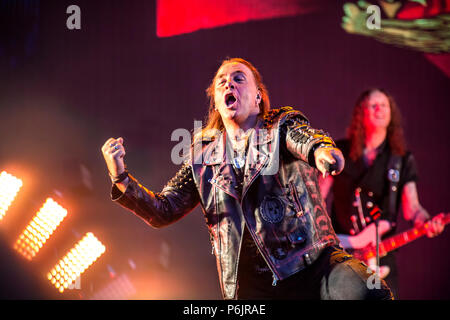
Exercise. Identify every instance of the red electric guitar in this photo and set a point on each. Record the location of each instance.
(363, 244)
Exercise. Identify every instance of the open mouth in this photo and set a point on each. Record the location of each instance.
(230, 99)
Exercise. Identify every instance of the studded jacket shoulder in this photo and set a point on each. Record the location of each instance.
(296, 134)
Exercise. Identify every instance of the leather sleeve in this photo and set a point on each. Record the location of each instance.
(302, 140)
(178, 198)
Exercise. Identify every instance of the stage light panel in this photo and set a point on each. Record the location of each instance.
(75, 262)
(9, 187)
(40, 228)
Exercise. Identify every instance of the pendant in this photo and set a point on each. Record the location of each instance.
(239, 162)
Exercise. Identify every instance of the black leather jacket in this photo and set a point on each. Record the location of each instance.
(279, 201)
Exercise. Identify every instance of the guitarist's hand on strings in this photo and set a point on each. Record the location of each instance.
(413, 211)
(434, 226)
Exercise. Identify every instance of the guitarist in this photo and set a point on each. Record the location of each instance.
(379, 171)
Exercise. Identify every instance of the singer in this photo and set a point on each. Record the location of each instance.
(254, 171)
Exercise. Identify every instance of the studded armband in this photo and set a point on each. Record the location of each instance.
(302, 140)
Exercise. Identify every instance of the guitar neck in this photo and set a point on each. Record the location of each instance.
(406, 237)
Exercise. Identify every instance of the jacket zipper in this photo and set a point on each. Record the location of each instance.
(274, 275)
(219, 253)
(296, 198)
(211, 239)
(275, 279)
(239, 254)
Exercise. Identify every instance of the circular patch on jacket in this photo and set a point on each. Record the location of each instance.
(272, 209)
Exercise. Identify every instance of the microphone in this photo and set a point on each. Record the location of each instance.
(337, 166)
(330, 167)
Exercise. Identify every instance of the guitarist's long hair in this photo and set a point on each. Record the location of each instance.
(356, 132)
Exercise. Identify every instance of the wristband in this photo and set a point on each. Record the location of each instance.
(311, 155)
(322, 145)
(121, 177)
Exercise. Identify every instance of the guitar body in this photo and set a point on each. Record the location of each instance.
(384, 270)
(365, 238)
(363, 245)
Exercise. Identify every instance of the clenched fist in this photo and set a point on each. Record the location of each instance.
(113, 152)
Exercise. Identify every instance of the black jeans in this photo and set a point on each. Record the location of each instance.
(335, 275)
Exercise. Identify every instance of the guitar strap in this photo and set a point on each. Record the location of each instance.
(393, 175)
